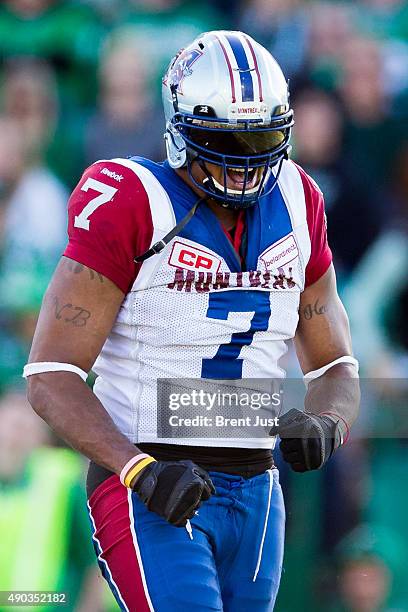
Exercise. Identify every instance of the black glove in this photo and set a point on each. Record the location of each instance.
(307, 440)
(173, 489)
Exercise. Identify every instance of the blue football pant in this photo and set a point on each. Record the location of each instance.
(231, 561)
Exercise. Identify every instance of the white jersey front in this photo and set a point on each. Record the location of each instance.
(196, 309)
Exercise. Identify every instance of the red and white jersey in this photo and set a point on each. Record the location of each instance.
(193, 310)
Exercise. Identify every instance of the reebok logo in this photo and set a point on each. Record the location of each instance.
(117, 177)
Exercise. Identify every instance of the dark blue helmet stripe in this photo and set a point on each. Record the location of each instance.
(247, 84)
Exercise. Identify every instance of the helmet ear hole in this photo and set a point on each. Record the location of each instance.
(175, 147)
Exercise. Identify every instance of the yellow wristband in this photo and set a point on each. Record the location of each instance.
(136, 469)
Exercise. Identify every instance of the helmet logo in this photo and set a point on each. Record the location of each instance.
(181, 68)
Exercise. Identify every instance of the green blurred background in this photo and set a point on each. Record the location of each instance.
(80, 81)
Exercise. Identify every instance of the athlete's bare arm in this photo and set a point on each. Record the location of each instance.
(323, 335)
(77, 314)
(323, 332)
(310, 437)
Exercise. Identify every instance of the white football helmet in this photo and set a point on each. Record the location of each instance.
(226, 102)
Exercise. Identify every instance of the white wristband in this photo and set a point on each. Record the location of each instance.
(52, 366)
(316, 373)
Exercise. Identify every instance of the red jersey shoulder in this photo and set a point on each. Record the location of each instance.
(320, 253)
(109, 221)
(107, 191)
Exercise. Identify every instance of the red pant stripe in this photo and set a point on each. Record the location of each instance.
(104, 563)
(111, 511)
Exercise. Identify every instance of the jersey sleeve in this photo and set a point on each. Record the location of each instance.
(109, 222)
(320, 253)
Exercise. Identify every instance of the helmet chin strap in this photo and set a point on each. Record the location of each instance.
(213, 183)
(216, 186)
(238, 191)
(209, 176)
(220, 193)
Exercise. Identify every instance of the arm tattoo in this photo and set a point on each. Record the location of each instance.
(80, 315)
(314, 309)
(78, 268)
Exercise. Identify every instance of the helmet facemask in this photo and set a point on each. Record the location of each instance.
(248, 147)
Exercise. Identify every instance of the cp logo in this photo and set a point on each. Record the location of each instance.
(192, 258)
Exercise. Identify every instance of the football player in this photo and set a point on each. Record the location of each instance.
(203, 266)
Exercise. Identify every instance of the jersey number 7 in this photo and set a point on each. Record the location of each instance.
(106, 193)
(226, 363)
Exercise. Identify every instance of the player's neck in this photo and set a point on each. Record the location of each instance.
(227, 216)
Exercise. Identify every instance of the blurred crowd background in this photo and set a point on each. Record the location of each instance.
(80, 81)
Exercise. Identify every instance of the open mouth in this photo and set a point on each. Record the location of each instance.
(236, 178)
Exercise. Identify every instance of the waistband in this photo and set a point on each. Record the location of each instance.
(233, 481)
(243, 468)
